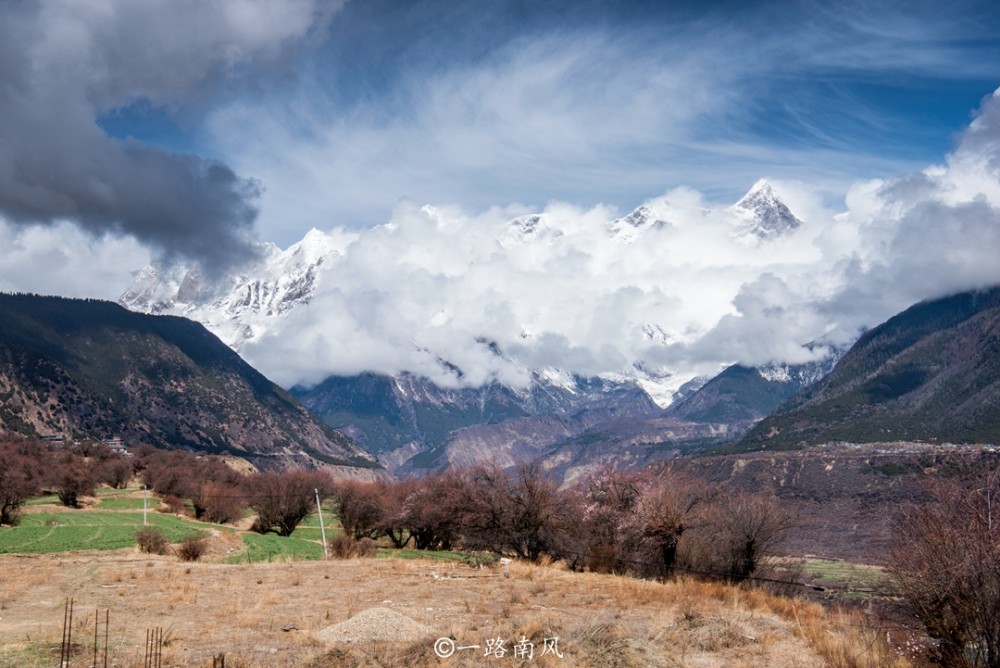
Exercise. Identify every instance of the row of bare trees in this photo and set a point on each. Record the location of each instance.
(29, 467)
(648, 523)
(218, 492)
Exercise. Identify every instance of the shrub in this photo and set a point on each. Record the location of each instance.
(366, 548)
(342, 546)
(192, 548)
(346, 547)
(172, 504)
(151, 541)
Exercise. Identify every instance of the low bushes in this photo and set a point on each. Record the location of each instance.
(346, 547)
(192, 548)
(151, 540)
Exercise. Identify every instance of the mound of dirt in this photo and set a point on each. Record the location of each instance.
(380, 624)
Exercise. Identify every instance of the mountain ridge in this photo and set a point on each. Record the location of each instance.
(930, 373)
(92, 369)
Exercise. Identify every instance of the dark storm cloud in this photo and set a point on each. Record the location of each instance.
(63, 66)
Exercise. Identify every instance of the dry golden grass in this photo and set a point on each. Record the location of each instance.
(267, 615)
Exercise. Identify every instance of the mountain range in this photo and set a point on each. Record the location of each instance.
(415, 425)
(929, 373)
(85, 368)
(92, 369)
(259, 300)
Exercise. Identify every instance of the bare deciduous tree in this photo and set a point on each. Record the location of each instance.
(282, 500)
(609, 503)
(664, 512)
(434, 509)
(742, 531)
(360, 508)
(946, 562)
(18, 480)
(71, 477)
(218, 502)
(521, 512)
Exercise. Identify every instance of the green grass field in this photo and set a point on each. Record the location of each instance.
(472, 558)
(126, 503)
(308, 528)
(44, 500)
(272, 547)
(114, 521)
(88, 530)
(851, 579)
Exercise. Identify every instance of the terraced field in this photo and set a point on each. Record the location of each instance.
(40, 533)
(114, 517)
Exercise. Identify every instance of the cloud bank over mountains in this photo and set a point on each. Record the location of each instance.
(678, 286)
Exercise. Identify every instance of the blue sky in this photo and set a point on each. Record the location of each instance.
(493, 103)
(138, 131)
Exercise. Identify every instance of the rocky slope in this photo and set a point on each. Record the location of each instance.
(85, 368)
(417, 426)
(742, 394)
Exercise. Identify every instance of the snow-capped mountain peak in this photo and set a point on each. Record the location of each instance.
(242, 306)
(762, 215)
(528, 229)
(629, 228)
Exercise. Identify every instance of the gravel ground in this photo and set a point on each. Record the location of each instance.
(375, 624)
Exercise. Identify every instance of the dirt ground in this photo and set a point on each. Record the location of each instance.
(272, 615)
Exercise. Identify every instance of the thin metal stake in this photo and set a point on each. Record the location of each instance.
(69, 633)
(107, 617)
(62, 643)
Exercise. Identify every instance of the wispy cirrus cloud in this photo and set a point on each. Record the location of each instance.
(607, 109)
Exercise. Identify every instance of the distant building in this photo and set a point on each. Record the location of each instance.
(116, 444)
